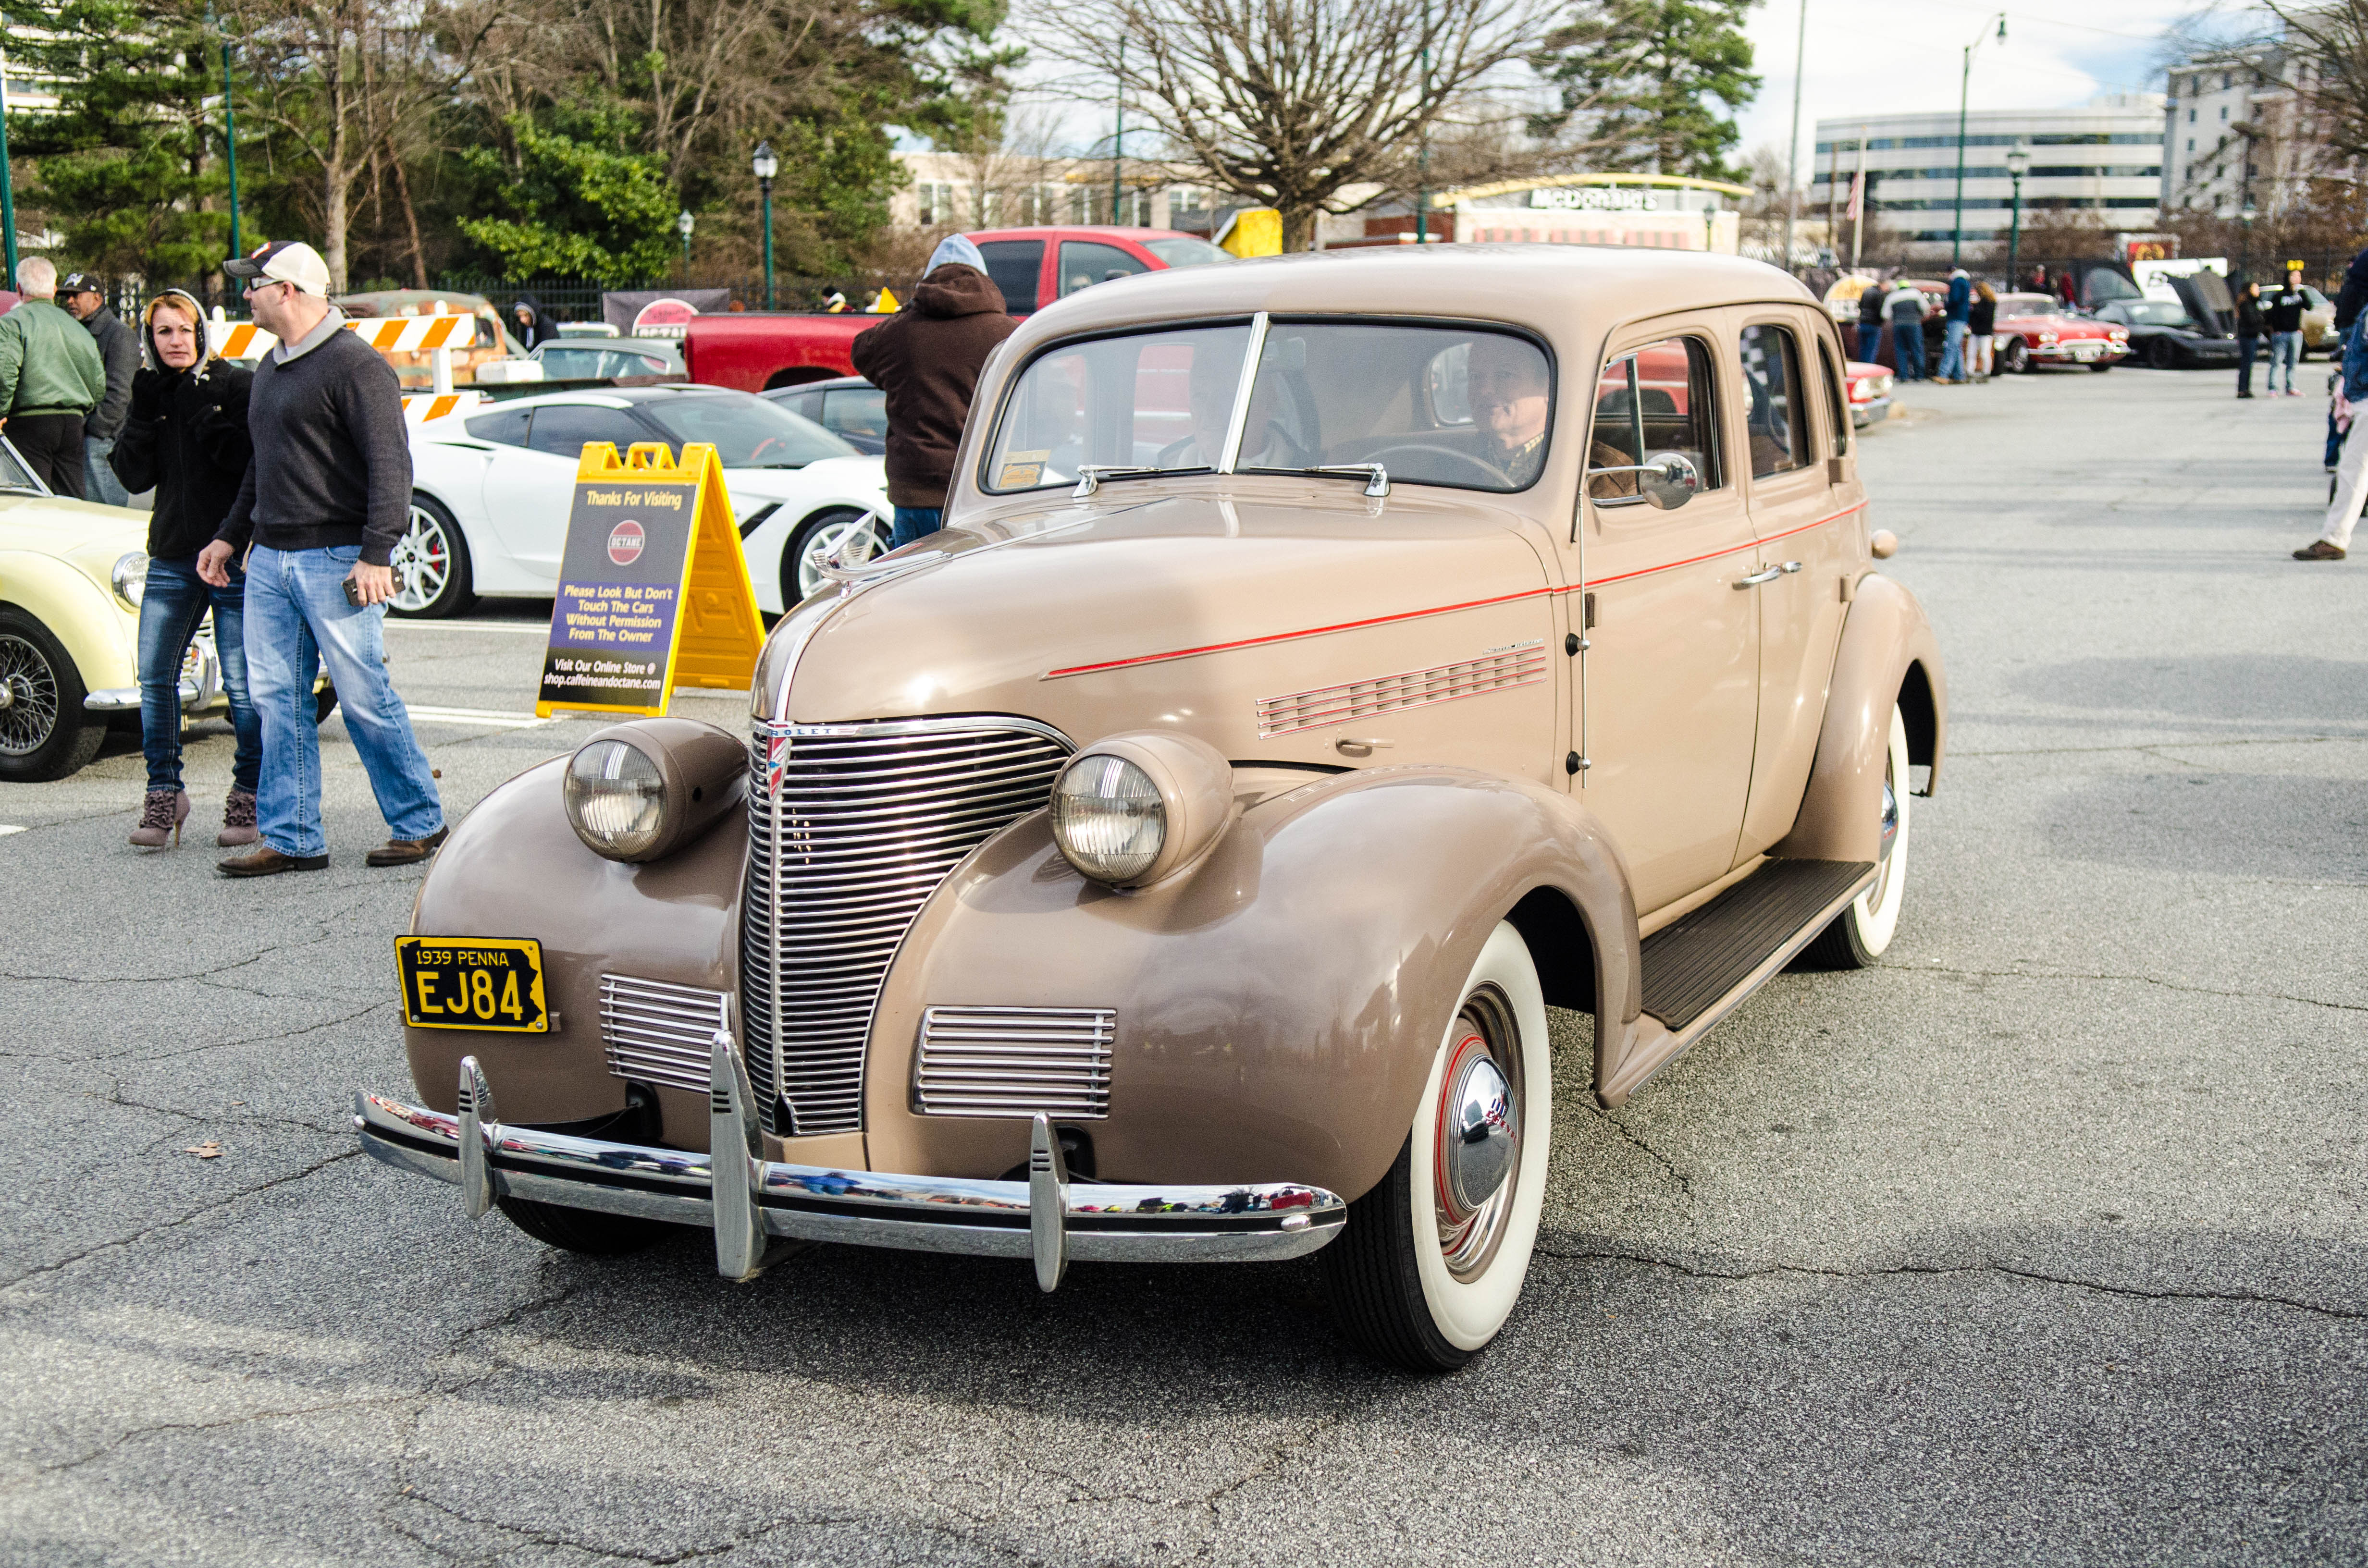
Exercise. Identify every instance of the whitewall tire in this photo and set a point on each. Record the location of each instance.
(1434, 1257)
(1860, 934)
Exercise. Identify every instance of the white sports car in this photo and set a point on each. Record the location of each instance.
(491, 491)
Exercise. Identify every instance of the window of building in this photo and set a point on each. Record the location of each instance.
(2191, 143)
(2224, 111)
(2190, 116)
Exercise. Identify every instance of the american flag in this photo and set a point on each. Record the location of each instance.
(1858, 189)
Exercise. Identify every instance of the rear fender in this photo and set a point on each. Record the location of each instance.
(1887, 657)
(1280, 1001)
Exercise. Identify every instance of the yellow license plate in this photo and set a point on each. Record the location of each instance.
(473, 983)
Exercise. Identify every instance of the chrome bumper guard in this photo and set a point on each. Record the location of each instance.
(774, 1208)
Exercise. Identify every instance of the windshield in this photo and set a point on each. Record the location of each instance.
(1185, 251)
(746, 432)
(1455, 406)
(2030, 306)
(2157, 312)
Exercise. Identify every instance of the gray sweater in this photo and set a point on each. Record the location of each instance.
(331, 454)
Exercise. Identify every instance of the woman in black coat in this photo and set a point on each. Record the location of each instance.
(185, 437)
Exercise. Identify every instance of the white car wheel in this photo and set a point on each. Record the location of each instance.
(1860, 934)
(431, 564)
(1434, 1257)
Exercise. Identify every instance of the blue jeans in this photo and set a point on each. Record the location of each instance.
(1870, 341)
(295, 597)
(1952, 353)
(175, 601)
(99, 482)
(2286, 348)
(914, 522)
(1908, 347)
(2246, 349)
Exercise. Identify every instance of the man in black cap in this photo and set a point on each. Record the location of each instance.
(85, 298)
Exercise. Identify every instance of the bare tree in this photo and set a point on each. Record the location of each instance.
(349, 83)
(2331, 37)
(1288, 102)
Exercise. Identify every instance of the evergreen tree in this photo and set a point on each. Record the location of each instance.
(129, 166)
(1652, 85)
(576, 206)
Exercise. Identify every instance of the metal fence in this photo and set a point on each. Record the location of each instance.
(563, 298)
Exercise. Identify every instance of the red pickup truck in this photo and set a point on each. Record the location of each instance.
(760, 351)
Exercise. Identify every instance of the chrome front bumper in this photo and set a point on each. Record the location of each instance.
(1047, 1219)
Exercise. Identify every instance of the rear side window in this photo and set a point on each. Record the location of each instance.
(1015, 266)
(562, 429)
(507, 425)
(1778, 422)
(1834, 408)
(856, 411)
(1085, 264)
(1652, 399)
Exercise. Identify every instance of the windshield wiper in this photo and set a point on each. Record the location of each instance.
(1376, 477)
(1090, 475)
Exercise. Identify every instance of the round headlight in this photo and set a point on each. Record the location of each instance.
(616, 798)
(130, 578)
(1108, 818)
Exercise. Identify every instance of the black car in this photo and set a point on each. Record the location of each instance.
(2164, 335)
(847, 406)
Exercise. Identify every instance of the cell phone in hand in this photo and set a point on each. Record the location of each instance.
(353, 593)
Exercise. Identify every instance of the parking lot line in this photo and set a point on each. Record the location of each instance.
(511, 628)
(490, 717)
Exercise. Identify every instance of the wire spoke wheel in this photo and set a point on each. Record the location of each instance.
(28, 697)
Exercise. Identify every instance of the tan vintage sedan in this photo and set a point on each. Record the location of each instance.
(1331, 663)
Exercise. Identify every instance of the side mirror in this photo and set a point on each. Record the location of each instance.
(1668, 480)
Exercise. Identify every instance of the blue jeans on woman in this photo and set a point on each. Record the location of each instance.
(171, 605)
(295, 601)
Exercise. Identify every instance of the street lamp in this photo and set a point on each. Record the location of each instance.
(1964, 89)
(2018, 164)
(682, 225)
(766, 167)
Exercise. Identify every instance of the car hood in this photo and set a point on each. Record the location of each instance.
(855, 473)
(1184, 611)
(91, 536)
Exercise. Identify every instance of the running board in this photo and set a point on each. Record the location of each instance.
(1700, 968)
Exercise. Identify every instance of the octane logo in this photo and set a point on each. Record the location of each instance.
(625, 542)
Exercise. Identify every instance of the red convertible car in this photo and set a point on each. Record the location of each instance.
(2033, 330)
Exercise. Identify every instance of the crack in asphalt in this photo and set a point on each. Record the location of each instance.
(114, 1096)
(1939, 1270)
(133, 1435)
(144, 1233)
(1628, 1136)
(1936, 967)
(272, 1038)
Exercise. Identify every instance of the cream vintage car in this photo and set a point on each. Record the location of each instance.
(1331, 662)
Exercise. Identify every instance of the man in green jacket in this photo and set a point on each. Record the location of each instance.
(50, 379)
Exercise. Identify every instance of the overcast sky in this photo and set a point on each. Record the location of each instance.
(1890, 56)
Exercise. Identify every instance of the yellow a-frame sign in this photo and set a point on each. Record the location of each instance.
(654, 591)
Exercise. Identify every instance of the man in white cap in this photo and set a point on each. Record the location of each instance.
(926, 358)
(325, 501)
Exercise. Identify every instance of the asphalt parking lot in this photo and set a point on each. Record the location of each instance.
(2042, 1243)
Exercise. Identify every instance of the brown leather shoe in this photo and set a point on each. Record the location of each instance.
(407, 851)
(2319, 549)
(266, 862)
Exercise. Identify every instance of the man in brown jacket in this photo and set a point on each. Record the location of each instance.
(926, 358)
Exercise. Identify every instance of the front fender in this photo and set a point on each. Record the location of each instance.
(1887, 656)
(99, 634)
(515, 867)
(1279, 1003)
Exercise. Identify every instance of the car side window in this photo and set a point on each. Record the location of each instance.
(1014, 266)
(855, 411)
(805, 406)
(1778, 422)
(507, 425)
(1835, 408)
(562, 429)
(1085, 264)
(1657, 399)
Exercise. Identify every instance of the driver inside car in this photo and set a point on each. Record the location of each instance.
(1507, 382)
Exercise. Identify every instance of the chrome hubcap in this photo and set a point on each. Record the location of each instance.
(1872, 897)
(29, 713)
(422, 560)
(1476, 1152)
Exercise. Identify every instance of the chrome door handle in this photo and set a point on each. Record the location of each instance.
(1785, 569)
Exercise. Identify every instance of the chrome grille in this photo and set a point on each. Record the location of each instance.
(660, 1033)
(1350, 701)
(1014, 1062)
(850, 828)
